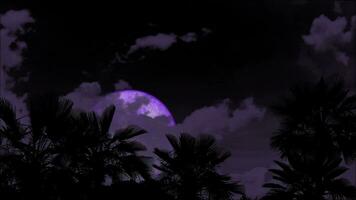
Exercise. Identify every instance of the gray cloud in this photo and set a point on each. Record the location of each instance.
(163, 41)
(160, 41)
(13, 22)
(328, 35)
(329, 49)
(253, 181)
(245, 131)
(251, 152)
(220, 119)
(85, 96)
(247, 113)
(189, 37)
(88, 94)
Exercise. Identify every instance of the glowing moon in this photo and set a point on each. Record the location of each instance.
(138, 102)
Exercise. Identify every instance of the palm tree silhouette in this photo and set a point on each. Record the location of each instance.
(307, 178)
(189, 171)
(318, 119)
(318, 131)
(106, 153)
(64, 155)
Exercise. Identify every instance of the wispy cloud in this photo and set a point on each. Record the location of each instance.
(160, 41)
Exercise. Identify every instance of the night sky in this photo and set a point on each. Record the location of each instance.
(218, 66)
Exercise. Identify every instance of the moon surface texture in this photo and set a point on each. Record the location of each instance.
(131, 104)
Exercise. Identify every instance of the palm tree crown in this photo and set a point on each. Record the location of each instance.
(310, 179)
(190, 169)
(63, 153)
(318, 119)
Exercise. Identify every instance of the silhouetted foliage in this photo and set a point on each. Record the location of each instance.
(307, 178)
(60, 154)
(318, 131)
(318, 119)
(65, 155)
(189, 171)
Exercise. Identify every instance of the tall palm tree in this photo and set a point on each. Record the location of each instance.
(318, 119)
(310, 179)
(189, 171)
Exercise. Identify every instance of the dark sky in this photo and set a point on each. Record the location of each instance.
(192, 55)
(251, 49)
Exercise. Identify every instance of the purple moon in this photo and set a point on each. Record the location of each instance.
(136, 102)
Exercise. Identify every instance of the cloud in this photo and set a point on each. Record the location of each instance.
(163, 41)
(247, 112)
(206, 31)
(328, 35)
(209, 119)
(329, 49)
(337, 7)
(88, 94)
(85, 96)
(189, 37)
(13, 22)
(18, 102)
(253, 181)
(160, 41)
(245, 131)
(342, 58)
(122, 85)
(220, 119)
